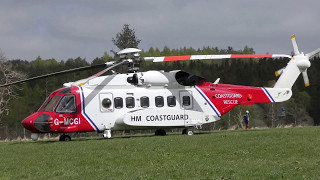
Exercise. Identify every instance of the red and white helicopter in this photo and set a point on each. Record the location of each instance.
(155, 99)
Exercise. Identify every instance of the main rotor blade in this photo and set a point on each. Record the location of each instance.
(221, 56)
(295, 45)
(305, 78)
(52, 74)
(101, 72)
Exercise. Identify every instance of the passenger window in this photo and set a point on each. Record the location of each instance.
(67, 104)
(106, 103)
(118, 102)
(144, 101)
(159, 101)
(186, 101)
(130, 102)
(171, 101)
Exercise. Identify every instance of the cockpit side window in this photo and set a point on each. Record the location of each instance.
(67, 104)
(51, 104)
(44, 103)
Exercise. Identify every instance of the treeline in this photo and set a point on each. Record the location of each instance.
(302, 108)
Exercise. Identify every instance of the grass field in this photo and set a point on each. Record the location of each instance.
(292, 153)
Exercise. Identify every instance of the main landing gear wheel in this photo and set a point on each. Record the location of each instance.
(160, 132)
(107, 134)
(65, 138)
(188, 132)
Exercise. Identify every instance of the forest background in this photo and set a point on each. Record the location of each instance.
(301, 110)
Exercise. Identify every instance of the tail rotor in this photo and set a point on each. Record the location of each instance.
(299, 63)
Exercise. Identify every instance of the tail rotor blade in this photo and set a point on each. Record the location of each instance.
(295, 45)
(305, 78)
(313, 53)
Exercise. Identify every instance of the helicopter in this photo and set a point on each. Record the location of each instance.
(154, 99)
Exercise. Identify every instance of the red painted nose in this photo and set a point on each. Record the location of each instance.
(28, 123)
(37, 122)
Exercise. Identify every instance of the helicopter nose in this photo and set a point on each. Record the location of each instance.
(28, 123)
(37, 122)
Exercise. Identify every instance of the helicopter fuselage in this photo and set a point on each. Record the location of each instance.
(152, 99)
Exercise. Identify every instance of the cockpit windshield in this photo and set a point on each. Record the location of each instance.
(51, 104)
(67, 104)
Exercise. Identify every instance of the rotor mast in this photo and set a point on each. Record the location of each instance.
(132, 56)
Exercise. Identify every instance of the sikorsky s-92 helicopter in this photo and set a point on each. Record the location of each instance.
(155, 99)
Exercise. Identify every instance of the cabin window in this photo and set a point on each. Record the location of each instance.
(144, 101)
(186, 101)
(171, 101)
(67, 104)
(118, 102)
(51, 104)
(106, 103)
(159, 101)
(130, 102)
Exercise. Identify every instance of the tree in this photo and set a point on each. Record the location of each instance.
(126, 38)
(6, 76)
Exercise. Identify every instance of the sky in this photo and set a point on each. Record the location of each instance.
(63, 29)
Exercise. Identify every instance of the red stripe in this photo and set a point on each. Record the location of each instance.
(250, 55)
(176, 58)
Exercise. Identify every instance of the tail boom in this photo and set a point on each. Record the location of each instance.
(224, 97)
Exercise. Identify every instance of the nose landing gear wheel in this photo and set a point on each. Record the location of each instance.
(65, 138)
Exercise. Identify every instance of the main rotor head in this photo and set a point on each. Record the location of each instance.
(132, 57)
(129, 53)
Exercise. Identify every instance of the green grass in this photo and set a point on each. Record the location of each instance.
(292, 153)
